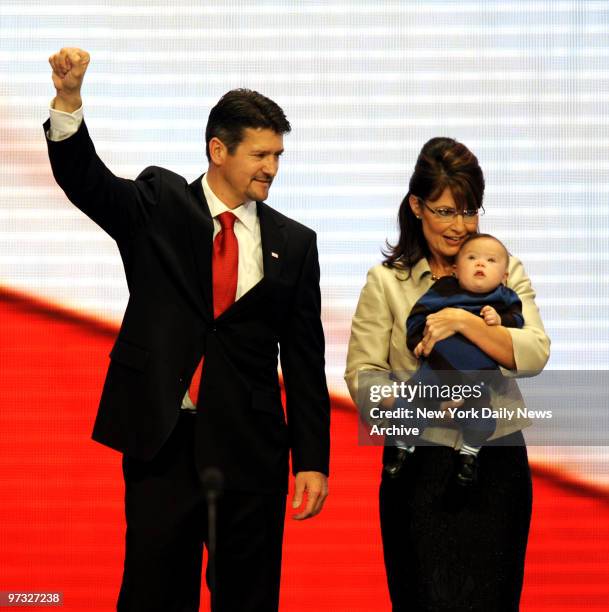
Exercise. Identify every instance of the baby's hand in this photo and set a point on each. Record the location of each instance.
(418, 350)
(490, 316)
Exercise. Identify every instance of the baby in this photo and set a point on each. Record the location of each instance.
(478, 287)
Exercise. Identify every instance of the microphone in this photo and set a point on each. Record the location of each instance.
(213, 483)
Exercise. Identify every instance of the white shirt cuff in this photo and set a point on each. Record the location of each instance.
(64, 125)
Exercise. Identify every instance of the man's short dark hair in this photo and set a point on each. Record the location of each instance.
(239, 109)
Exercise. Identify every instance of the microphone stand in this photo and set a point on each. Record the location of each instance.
(213, 482)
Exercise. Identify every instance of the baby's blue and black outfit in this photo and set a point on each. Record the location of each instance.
(458, 359)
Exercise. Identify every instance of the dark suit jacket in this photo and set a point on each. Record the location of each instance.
(164, 230)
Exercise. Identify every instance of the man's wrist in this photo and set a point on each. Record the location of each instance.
(66, 103)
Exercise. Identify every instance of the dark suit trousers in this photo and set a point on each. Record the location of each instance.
(166, 515)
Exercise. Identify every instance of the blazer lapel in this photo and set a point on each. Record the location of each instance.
(273, 237)
(201, 236)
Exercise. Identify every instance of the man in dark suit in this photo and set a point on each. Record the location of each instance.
(219, 282)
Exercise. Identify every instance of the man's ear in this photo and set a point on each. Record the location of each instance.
(505, 277)
(217, 151)
(415, 206)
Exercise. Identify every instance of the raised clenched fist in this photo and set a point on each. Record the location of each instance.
(69, 66)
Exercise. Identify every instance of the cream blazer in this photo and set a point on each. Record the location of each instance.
(377, 346)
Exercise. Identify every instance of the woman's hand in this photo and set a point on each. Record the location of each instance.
(494, 340)
(441, 325)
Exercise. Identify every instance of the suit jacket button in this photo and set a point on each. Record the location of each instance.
(214, 329)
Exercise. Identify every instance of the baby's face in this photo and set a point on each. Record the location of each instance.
(481, 265)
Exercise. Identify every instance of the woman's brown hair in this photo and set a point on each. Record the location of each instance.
(442, 163)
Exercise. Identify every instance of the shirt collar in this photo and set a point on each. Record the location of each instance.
(246, 212)
(419, 271)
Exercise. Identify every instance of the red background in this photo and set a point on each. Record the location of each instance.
(61, 518)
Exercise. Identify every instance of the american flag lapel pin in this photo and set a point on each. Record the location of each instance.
(275, 255)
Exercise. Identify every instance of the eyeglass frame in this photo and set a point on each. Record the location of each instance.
(466, 219)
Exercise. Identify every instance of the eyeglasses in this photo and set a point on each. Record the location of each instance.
(447, 215)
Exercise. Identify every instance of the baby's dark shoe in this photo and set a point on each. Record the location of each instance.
(395, 460)
(467, 470)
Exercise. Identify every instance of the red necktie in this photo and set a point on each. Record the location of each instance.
(225, 263)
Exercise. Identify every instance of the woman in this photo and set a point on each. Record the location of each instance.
(441, 555)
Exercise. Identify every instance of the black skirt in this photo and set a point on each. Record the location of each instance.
(450, 549)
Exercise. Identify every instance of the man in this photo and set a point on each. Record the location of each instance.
(214, 275)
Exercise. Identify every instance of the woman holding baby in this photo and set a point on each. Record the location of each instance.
(454, 513)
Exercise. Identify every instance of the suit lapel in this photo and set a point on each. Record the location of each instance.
(273, 237)
(201, 236)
